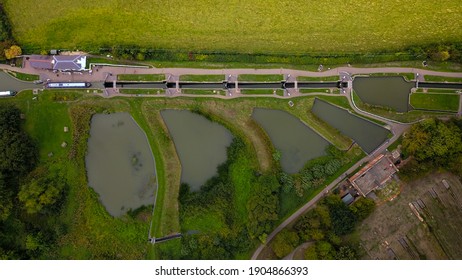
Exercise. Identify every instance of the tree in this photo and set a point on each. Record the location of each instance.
(6, 201)
(433, 140)
(441, 55)
(18, 154)
(284, 243)
(286, 181)
(263, 205)
(343, 220)
(40, 193)
(13, 52)
(362, 208)
(325, 250)
(310, 253)
(345, 253)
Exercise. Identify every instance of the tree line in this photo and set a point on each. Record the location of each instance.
(435, 52)
(8, 47)
(30, 195)
(432, 144)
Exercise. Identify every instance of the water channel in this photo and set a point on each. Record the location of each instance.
(8, 83)
(367, 134)
(297, 142)
(200, 144)
(392, 92)
(119, 162)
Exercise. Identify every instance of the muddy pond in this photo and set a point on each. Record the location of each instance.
(296, 142)
(119, 162)
(201, 145)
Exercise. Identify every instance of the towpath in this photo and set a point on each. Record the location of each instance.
(103, 73)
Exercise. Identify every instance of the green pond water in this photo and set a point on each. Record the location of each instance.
(297, 142)
(200, 144)
(119, 162)
(392, 92)
(367, 134)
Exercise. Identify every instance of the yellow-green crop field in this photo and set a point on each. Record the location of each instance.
(252, 26)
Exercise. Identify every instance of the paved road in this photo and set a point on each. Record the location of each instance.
(8, 82)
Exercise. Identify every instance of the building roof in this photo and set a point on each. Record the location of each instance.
(59, 62)
(69, 62)
(41, 61)
(373, 175)
(348, 199)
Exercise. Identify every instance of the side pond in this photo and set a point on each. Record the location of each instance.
(367, 134)
(119, 162)
(200, 143)
(297, 142)
(392, 92)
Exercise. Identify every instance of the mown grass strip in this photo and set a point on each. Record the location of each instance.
(141, 91)
(141, 77)
(428, 101)
(202, 78)
(24, 76)
(408, 76)
(260, 78)
(318, 79)
(431, 78)
(203, 91)
(262, 91)
(318, 90)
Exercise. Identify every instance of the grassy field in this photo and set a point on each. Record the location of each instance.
(260, 78)
(23, 76)
(442, 79)
(262, 91)
(141, 77)
(203, 91)
(318, 90)
(408, 76)
(435, 101)
(435, 237)
(317, 79)
(141, 91)
(437, 90)
(407, 117)
(242, 26)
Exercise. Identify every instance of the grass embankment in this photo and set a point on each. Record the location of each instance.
(435, 101)
(319, 90)
(202, 78)
(239, 26)
(430, 78)
(279, 92)
(203, 91)
(141, 77)
(407, 117)
(437, 90)
(141, 91)
(259, 78)
(317, 79)
(407, 76)
(23, 76)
